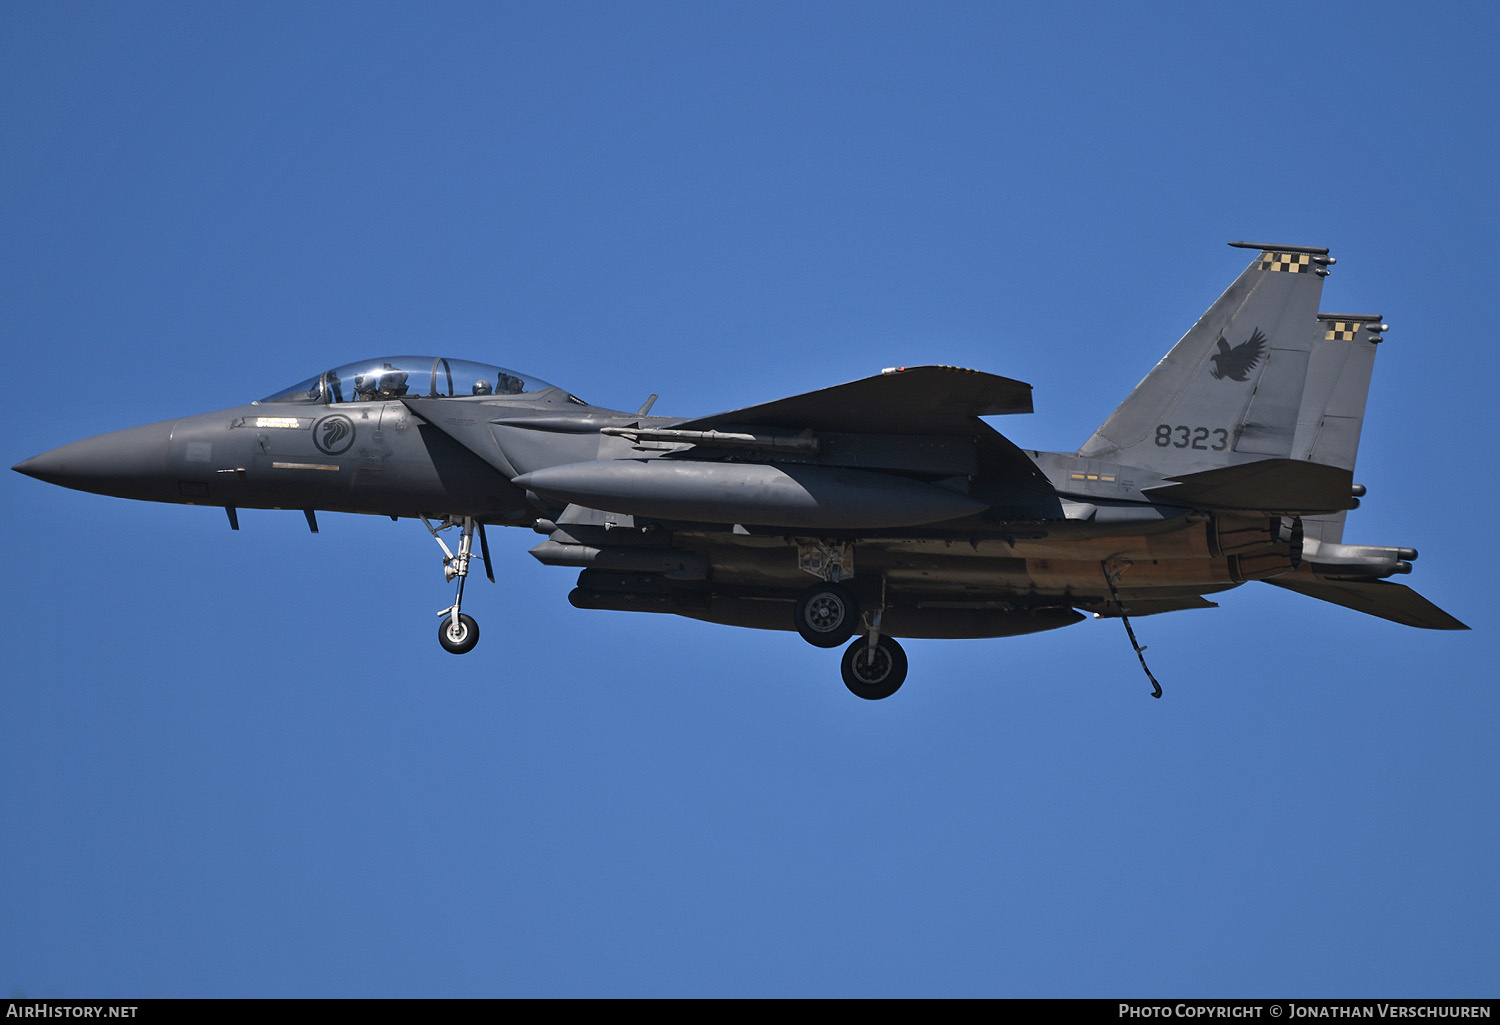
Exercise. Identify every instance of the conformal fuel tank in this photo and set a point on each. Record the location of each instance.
(784, 495)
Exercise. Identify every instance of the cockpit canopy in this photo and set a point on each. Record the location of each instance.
(393, 377)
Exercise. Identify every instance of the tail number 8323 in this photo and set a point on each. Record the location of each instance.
(1208, 439)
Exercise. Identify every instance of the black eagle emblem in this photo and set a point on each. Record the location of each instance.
(1236, 363)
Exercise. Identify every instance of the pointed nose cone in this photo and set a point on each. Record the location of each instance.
(36, 466)
(129, 464)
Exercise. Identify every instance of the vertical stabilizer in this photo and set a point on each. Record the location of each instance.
(1333, 401)
(1231, 389)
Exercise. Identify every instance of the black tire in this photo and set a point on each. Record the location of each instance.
(461, 638)
(827, 615)
(878, 680)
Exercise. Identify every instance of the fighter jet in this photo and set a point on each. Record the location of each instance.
(880, 509)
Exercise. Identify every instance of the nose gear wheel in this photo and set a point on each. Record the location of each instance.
(459, 637)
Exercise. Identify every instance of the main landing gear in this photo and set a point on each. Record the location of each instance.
(458, 633)
(828, 614)
(874, 667)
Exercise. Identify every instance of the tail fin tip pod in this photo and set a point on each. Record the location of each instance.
(1231, 389)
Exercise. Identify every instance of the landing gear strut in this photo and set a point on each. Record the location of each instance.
(458, 633)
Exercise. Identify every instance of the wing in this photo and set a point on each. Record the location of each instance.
(909, 400)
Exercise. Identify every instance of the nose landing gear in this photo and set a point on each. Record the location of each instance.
(458, 633)
(460, 636)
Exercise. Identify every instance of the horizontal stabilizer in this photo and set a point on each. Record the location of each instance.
(1396, 602)
(911, 400)
(1267, 485)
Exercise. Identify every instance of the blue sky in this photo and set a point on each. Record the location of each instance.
(239, 764)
